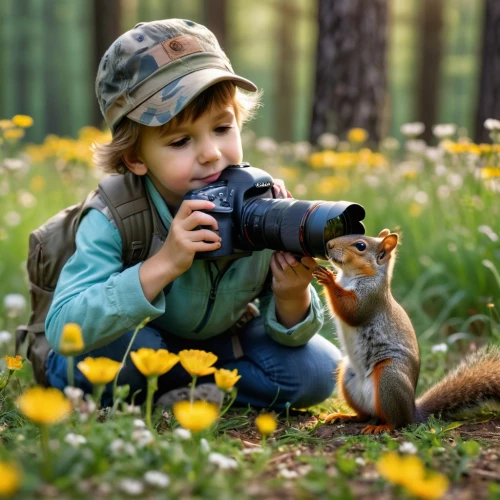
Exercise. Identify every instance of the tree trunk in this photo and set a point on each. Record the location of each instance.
(285, 72)
(107, 30)
(489, 89)
(431, 24)
(215, 15)
(350, 86)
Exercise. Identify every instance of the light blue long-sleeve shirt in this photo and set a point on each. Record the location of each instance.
(106, 300)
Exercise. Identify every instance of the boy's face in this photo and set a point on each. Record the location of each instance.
(192, 155)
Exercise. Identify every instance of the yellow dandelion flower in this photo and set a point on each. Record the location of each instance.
(151, 362)
(474, 149)
(415, 209)
(44, 405)
(329, 159)
(410, 174)
(266, 423)
(99, 371)
(288, 173)
(6, 124)
(89, 134)
(196, 416)
(225, 379)
(400, 470)
(485, 148)
(433, 487)
(23, 121)
(14, 134)
(378, 160)
(346, 160)
(197, 363)
(37, 183)
(316, 160)
(333, 184)
(71, 340)
(389, 467)
(10, 479)
(490, 172)
(357, 135)
(411, 469)
(14, 363)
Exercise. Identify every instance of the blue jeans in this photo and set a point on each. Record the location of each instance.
(272, 375)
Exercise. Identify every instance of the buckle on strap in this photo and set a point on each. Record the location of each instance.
(136, 251)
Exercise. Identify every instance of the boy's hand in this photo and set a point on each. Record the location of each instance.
(280, 191)
(183, 240)
(291, 280)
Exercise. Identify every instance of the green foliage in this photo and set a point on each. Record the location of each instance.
(443, 278)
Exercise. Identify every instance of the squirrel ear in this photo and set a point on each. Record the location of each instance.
(384, 233)
(386, 247)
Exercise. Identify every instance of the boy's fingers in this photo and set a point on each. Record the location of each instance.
(309, 263)
(201, 246)
(205, 235)
(189, 206)
(196, 219)
(290, 259)
(279, 188)
(276, 267)
(284, 266)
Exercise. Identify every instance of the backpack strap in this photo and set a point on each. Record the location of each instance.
(133, 212)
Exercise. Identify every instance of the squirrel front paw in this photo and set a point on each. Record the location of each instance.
(324, 275)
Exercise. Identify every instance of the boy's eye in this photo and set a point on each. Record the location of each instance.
(179, 143)
(222, 130)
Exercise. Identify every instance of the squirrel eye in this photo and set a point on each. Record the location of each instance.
(360, 245)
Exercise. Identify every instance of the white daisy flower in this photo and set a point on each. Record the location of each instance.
(131, 487)
(439, 348)
(222, 461)
(157, 478)
(75, 440)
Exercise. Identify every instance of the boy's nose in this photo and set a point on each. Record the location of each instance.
(209, 152)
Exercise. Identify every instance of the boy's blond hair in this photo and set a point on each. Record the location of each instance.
(109, 156)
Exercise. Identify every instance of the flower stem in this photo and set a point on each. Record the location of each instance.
(71, 371)
(234, 393)
(193, 385)
(115, 382)
(7, 381)
(97, 393)
(152, 387)
(44, 438)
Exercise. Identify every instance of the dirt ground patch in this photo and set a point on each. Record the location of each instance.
(483, 470)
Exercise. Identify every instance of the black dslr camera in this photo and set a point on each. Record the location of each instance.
(250, 217)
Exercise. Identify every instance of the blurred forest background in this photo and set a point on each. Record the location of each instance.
(346, 84)
(381, 63)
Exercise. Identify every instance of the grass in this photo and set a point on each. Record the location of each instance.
(449, 219)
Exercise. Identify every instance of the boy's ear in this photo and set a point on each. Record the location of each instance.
(134, 163)
(386, 247)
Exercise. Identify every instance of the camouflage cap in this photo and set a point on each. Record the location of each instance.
(153, 71)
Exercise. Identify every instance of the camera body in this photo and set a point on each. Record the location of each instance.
(250, 218)
(236, 185)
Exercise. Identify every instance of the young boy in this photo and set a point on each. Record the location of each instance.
(175, 109)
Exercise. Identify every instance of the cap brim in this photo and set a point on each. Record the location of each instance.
(172, 99)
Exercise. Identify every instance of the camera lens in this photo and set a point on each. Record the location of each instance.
(298, 226)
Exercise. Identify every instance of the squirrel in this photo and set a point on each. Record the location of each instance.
(378, 374)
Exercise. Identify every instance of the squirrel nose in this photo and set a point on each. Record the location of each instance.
(330, 244)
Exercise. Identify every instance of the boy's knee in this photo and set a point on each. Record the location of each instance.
(316, 373)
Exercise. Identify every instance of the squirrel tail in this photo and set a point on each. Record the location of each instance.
(474, 381)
